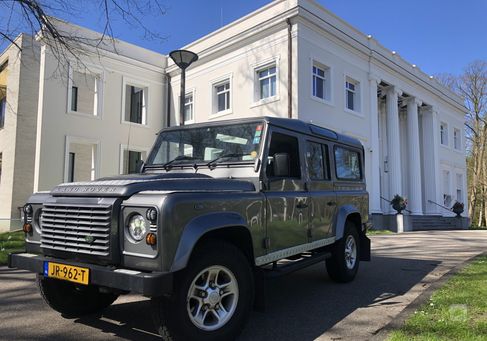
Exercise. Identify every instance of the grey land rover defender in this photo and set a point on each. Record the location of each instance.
(215, 210)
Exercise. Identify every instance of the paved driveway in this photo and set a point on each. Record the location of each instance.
(305, 305)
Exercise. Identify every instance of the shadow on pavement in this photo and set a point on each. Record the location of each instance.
(300, 306)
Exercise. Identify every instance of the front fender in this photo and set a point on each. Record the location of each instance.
(200, 226)
(343, 213)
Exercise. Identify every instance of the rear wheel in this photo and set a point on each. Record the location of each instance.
(213, 296)
(73, 300)
(343, 265)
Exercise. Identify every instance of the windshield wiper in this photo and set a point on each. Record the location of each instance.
(167, 166)
(212, 163)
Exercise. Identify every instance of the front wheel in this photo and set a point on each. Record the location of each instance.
(73, 300)
(343, 265)
(213, 296)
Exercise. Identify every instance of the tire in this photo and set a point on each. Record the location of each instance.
(344, 262)
(190, 313)
(73, 300)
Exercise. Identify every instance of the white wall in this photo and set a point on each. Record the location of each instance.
(108, 129)
(17, 138)
(239, 65)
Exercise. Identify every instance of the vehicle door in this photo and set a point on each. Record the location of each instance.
(287, 199)
(322, 197)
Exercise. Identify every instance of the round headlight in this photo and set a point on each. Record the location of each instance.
(28, 209)
(152, 215)
(137, 227)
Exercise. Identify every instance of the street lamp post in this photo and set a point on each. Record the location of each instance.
(183, 59)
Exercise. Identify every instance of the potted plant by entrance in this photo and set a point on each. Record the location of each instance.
(458, 208)
(399, 203)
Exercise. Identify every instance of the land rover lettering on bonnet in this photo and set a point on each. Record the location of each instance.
(215, 210)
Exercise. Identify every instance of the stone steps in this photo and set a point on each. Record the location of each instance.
(421, 223)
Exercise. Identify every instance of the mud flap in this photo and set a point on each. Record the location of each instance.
(364, 248)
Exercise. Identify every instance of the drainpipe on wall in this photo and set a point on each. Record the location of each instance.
(168, 110)
(289, 69)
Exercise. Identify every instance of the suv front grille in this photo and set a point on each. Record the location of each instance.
(81, 229)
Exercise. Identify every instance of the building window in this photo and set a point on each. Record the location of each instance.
(267, 78)
(321, 82)
(81, 160)
(84, 95)
(3, 111)
(3, 92)
(444, 134)
(352, 95)
(74, 98)
(459, 188)
(71, 161)
(457, 141)
(131, 159)
(222, 96)
(446, 189)
(135, 104)
(188, 108)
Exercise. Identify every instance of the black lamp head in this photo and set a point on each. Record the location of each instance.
(183, 58)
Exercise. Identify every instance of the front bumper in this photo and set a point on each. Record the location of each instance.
(145, 283)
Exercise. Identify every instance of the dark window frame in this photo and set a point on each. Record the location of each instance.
(3, 111)
(74, 98)
(71, 160)
(130, 155)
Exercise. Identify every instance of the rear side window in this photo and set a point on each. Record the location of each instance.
(314, 160)
(347, 164)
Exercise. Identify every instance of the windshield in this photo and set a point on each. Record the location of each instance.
(213, 144)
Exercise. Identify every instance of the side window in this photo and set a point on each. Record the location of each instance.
(347, 164)
(282, 143)
(314, 161)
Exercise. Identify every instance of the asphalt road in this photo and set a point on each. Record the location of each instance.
(305, 305)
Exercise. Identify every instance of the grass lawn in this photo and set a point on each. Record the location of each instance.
(375, 232)
(477, 228)
(10, 242)
(457, 311)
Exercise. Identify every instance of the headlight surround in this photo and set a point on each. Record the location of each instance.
(137, 227)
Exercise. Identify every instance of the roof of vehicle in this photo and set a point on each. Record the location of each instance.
(286, 123)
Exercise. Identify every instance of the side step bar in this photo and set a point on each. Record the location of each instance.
(285, 267)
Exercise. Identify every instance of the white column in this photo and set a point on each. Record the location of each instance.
(374, 179)
(393, 143)
(384, 176)
(430, 159)
(415, 201)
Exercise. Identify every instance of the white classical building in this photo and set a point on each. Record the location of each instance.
(290, 58)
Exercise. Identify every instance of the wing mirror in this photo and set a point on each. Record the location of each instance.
(140, 166)
(282, 165)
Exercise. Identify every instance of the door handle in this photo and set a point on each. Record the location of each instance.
(331, 203)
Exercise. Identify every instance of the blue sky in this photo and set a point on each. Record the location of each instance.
(438, 36)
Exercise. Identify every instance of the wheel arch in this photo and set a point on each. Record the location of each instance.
(228, 226)
(347, 213)
(352, 214)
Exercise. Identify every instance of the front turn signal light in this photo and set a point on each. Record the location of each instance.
(151, 239)
(27, 228)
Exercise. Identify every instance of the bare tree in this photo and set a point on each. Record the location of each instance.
(38, 18)
(472, 87)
